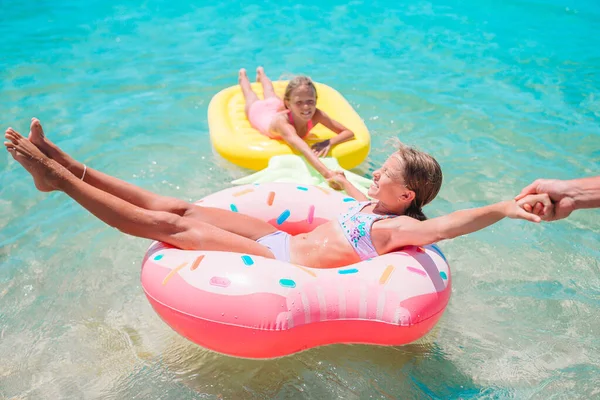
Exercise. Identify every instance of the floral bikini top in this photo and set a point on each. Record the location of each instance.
(357, 229)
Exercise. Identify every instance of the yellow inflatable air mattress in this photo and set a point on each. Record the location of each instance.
(234, 139)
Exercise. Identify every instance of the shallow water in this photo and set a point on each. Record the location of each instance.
(499, 93)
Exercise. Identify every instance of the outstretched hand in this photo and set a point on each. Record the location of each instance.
(533, 208)
(321, 149)
(557, 191)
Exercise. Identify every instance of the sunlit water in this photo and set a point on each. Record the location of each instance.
(499, 92)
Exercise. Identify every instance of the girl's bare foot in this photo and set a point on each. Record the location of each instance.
(32, 159)
(242, 76)
(260, 73)
(37, 137)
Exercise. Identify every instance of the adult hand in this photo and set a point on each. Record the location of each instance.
(321, 148)
(559, 193)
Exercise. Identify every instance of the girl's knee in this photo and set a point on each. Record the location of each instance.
(172, 205)
(185, 232)
(148, 224)
(181, 207)
(175, 227)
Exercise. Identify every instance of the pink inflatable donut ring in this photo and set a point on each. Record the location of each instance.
(253, 307)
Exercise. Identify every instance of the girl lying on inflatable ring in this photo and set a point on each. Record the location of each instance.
(292, 118)
(407, 181)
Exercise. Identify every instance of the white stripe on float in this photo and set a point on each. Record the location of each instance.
(380, 304)
(362, 304)
(342, 301)
(306, 305)
(322, 304)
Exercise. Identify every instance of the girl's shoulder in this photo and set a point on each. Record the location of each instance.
(395, 221)
(281, 117)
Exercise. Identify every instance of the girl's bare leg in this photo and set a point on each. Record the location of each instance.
(180, 231)
(266, 83)
(126, 191)
(249, 94)
(239, 224)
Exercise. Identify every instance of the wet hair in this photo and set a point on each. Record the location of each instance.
(422, 174)
(295, 83)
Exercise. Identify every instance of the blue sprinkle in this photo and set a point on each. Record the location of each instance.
(443, 275)
(349, 199)
(347, 271)
(287, 283)
(158, 257)
(247, 260)
(233, 207)
(284, 215)
(302, 188)
(437, 250)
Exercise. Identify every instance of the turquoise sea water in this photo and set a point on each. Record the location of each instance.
(499, 92)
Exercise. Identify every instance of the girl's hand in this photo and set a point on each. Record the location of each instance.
(321, 148)
(337, 180)
(531, 208)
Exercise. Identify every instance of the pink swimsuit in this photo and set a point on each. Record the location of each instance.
(309, 127)
(261, 114)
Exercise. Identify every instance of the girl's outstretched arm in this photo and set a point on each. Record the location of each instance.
(343, 133)
(289, 134)
(338, 178)
(420, 233)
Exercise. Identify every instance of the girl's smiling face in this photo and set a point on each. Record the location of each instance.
(389, 185)
(302, 103)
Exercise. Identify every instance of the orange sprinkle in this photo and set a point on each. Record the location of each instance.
(197, 262)
(271, 198)
(420, 250)
(173, 272)
(243, 192)
(308, 271)
(386, 274)
(323, 190)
